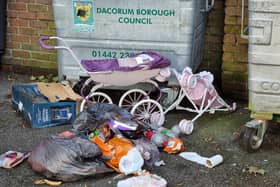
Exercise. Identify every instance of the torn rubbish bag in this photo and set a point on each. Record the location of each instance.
(149, 152)
(121, 154)
(67, 158)
(97, 114)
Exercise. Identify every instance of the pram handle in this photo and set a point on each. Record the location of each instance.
(43, 45)
(63, 45)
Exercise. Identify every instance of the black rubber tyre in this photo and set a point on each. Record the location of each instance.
(249, 139)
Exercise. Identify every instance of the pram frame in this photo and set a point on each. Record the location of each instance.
(109, 78)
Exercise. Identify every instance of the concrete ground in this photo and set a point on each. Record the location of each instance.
(213, 134)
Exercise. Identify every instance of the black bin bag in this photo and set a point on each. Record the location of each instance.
(67, 158)
(98, 113)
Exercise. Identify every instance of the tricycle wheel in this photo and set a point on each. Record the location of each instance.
(250, 139)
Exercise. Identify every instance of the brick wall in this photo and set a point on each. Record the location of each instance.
(213, 47)
(235, 56)
(27, 20)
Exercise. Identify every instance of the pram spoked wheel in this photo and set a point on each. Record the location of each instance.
(131, 98)
(253, 134)
(95, 97)
(149, 111)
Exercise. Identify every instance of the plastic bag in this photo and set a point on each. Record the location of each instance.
(121, 154)
(149, 180)
(97, 114)
(149, 151)
(132, 162)
(11, 159)
(67, 158)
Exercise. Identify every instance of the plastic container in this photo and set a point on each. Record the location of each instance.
(116, 29)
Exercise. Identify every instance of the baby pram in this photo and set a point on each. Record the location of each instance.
(141, 67)
(198, 89)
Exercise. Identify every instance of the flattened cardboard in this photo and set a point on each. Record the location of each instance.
(58, 92)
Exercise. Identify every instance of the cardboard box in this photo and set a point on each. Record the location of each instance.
(45, 104)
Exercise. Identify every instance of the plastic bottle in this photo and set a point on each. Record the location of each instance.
(174, 132)
(157, 138)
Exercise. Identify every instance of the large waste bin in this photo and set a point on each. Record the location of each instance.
(115, 29)
(264, 68)
(2, 25)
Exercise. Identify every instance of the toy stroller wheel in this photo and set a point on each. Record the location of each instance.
(250, 141)
(149, 112)
(95, 97)
(131, 98)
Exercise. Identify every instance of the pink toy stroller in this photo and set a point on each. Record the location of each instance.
(199, 91)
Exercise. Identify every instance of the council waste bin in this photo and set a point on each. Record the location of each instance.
(264, 68)
(116, 29)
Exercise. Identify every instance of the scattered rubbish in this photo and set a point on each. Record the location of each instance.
(58, 92)
(208, 162)
(166, 139)
(174, 145)
(132, 162)
(97, 114)
(160, 163)
(149, 152)
(42, 107)
(67, 158)
(48, 182)
(157, 138)
(254, 170)
(120, 153)
(172, 133)
(11, 159)
(148, 180)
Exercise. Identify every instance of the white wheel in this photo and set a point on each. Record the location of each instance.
(96, 97)
(131, 98)
(150, 112)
